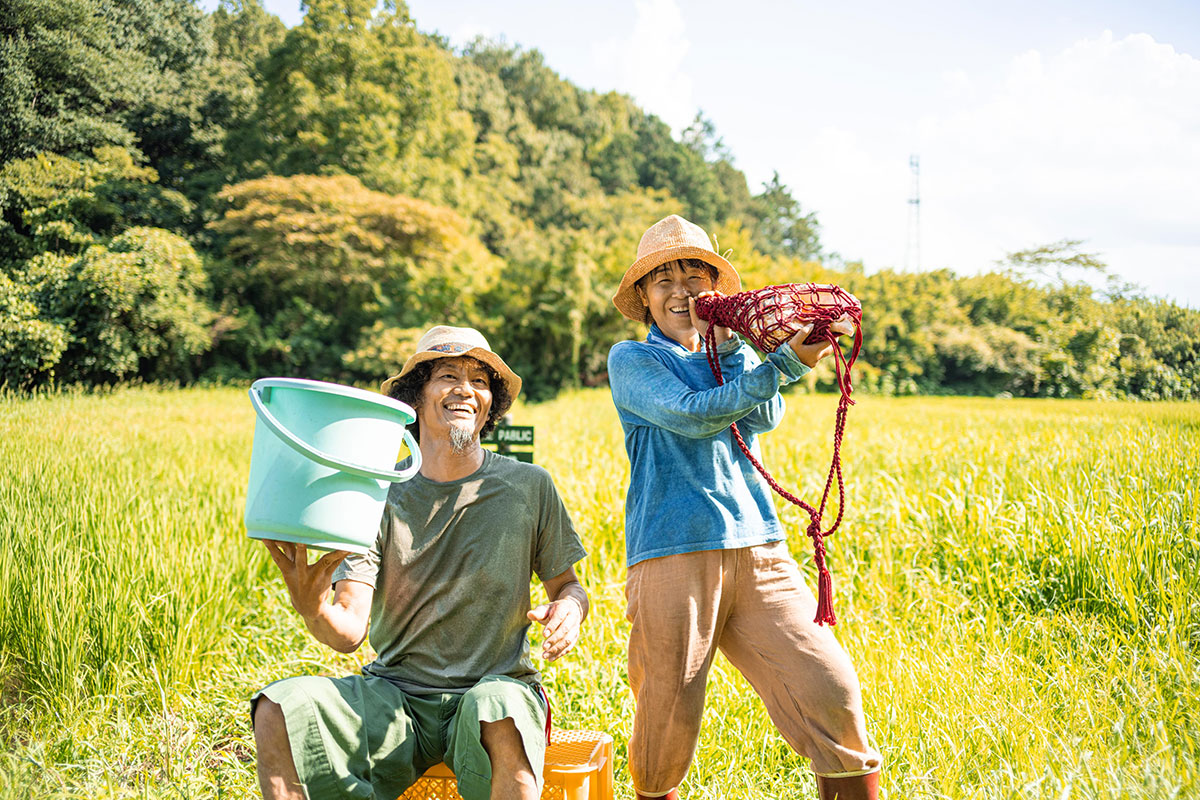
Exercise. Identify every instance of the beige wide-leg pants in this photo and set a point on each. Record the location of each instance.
(753, 604)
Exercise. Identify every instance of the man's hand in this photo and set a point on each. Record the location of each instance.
(810, 354)
(562, 616)
(721, 335)
(308, 584)
(560, 621)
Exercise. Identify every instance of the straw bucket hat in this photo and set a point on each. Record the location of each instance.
(669, 239)
(444, 341)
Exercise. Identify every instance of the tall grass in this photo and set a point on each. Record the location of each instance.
(1017, 582)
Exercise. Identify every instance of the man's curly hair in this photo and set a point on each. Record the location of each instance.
(409, 388)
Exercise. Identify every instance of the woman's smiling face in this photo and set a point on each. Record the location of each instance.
(665, 292)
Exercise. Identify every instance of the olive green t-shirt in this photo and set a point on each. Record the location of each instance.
(451, 570)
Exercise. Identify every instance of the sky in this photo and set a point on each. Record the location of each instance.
(1032, 122)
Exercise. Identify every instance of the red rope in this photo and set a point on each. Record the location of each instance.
(549, 713)
(769, 317)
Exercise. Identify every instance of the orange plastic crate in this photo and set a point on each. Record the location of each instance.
(578, 767)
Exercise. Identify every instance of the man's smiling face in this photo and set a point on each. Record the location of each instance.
(455, 401)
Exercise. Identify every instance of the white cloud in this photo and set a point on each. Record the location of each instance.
(1099, 142)
(956, 81)
(286, 10)
(648, 64)
(468, 30)
(858, 185)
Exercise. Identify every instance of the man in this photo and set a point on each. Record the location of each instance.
(446, 591)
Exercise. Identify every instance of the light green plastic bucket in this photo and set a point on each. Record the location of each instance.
(322, 462)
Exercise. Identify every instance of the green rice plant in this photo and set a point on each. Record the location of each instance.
(122, 556)
(1016, 581)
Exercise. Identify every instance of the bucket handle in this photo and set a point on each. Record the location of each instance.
(308, 451)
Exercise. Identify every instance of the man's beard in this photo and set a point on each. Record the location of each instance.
(462, 438)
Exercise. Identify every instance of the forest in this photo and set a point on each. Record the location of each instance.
(191, 197)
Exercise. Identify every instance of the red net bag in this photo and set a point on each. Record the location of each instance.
(769, 317)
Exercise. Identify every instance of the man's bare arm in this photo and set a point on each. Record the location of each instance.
(563, 615)
(341, 624)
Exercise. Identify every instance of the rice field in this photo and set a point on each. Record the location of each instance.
(1017, 581)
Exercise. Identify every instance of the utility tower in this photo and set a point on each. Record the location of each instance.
(912, 252)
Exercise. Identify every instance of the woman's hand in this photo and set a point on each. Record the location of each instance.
(308, 584)
(810, 354)
(720, 334)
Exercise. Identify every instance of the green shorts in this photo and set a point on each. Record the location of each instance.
(363, 737)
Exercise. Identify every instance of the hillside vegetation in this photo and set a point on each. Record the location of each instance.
(188, 196)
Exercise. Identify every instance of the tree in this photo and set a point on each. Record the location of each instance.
(1159, 349)
(1080, 345)
(30, 346)
(733, 201)
(663, 163)
(1056, 261)
(146, 76)
(781, 226)
(350, 91)
(312, 261)
(198, 129)
(245, 33)
(91, 290)
(63, 205)
(67, 68)
(529, 124)
(131, 307)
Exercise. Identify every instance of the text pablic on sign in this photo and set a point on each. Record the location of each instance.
(512, 434)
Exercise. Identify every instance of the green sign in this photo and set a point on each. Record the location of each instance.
(512, 434)
(506, 437)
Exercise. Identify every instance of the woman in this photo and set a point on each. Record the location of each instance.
(708, 566)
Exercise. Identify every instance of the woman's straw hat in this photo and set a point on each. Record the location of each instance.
(667, 240)
(443, 341)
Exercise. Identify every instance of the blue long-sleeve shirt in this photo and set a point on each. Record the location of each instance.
(690, 486)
